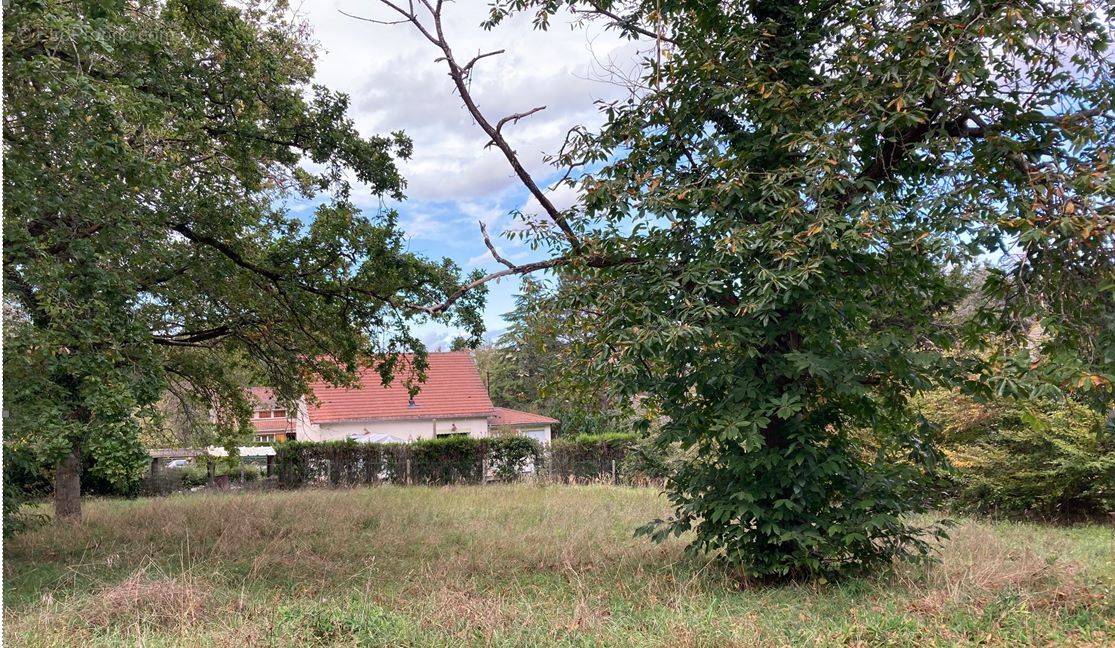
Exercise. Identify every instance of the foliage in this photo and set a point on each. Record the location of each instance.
(339, 462)
(510, 456)
(649, 459)
(589, 457)
(1046, 459)
(444, 460)
(28, 476)
(150, 149)
(22, 479)
(531, 368)
(768, 235)
(198, 473)
(454, 459)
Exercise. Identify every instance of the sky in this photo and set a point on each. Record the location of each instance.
(395, 83)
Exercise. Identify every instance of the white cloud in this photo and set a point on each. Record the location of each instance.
(395, 83)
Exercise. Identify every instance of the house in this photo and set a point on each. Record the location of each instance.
(513, 422)
(452, 401)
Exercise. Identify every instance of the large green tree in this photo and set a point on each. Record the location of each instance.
(534, 365)
(771, 224)
(150, 148)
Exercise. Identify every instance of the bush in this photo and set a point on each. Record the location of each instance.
(198, 474)
(23, 479)
(649, 459)
(509, 457)
(1026, 458)
(336, 462)
(589, 457)
(446, 460)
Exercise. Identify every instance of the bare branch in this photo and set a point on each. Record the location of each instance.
(459, 75)
(468, 66)
(514, 119)
(492, 248)
(1066, 120)
(592, 261)
(513, 270)
(626, 24)
(373, 20)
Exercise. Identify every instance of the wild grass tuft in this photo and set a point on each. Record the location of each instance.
(512, 566)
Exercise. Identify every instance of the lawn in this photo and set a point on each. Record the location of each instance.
(511, 566)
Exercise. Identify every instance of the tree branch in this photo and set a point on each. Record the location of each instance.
(492, 248)
(514, 119)
(468, 66)
(459, 75)
(626, 24)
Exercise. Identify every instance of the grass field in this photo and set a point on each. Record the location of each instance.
(511, 566)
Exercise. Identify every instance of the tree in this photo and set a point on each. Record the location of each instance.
(150, 149)
(533, 366)
(768, 229)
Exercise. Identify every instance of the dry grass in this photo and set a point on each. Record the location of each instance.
(976, 566)
(516, 565)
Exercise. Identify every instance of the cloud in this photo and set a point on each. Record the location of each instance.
(453, 181)
(395, 83)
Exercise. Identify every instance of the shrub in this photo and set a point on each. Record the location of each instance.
(447, 460)
(510, 456)
(650, 459)
(23, 479)
(335, 462)
(588, 457)
(1026, 458)
(198, 474)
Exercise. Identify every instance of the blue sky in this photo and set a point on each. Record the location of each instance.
(394, 83)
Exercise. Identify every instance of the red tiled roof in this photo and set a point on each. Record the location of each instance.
(273, 425)
(506, 416)
(453, 388)
(262, 396)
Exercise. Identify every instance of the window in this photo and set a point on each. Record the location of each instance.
(265, 438)
(279, 413)
(270, 413)
(263, 414)
(453, 430)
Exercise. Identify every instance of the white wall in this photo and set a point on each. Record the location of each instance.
(536, 431)
(402, 431)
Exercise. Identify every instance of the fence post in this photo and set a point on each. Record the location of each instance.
(408, 471)
(614, 479)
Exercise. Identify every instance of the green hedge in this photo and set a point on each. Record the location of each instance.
(590, 457)
(447, 460)
(1030, 459)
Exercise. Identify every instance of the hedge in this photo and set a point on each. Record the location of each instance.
(1048, 460)
(590, 457)
(446, 460)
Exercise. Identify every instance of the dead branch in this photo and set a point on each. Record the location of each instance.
(514, 119)
(492, 247)
(626, 24)
(468, 66)
(459, 74)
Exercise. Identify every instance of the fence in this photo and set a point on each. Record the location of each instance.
(461, 460)
(452, 460)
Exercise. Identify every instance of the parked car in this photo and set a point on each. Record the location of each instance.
(178, 463)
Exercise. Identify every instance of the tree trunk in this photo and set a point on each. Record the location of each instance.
(67, 485)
